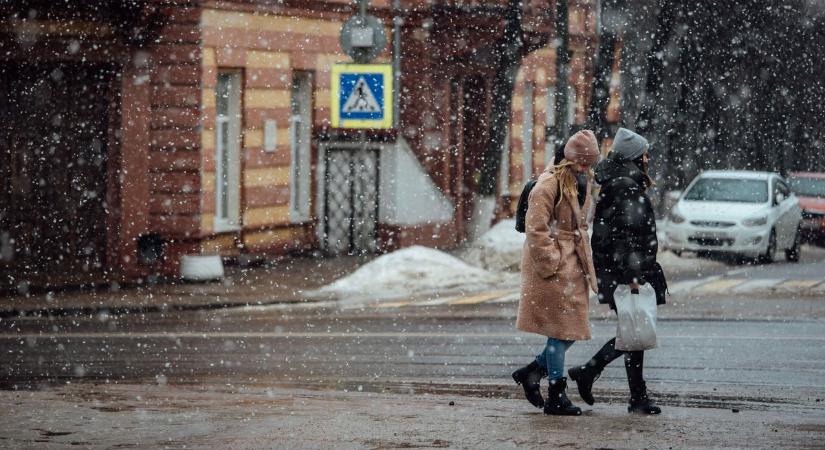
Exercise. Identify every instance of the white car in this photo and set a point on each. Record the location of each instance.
(746, 213)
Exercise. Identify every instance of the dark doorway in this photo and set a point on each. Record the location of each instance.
(53, 168)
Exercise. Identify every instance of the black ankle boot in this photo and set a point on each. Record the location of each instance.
(640, 403)
(585, 376)
(557, 402)
(529, 377)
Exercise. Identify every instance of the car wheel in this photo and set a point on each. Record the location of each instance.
(770, 252)
(792, 254)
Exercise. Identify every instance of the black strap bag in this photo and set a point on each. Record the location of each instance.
(521, 210)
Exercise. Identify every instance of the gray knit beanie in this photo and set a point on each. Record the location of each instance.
(629, 144)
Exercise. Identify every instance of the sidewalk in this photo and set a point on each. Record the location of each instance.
(225, 416)
(280, 281)
(694, 282)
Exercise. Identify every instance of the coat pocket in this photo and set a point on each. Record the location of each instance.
(551, 261)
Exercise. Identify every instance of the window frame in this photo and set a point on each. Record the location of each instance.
(227, 154)
(783, 187)
(300, 145)
(527, 131)
(780, 187)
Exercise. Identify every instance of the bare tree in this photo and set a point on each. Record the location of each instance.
(517, 41)
(732, 85)
(609, 17)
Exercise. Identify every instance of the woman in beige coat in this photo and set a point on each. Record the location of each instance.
(557, 270)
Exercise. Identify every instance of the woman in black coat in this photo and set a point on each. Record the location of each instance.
(624, 252)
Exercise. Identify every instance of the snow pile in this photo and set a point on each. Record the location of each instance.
(661, 234)
(412, 271)
(499, 249)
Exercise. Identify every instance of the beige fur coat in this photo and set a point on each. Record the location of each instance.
(557, 265)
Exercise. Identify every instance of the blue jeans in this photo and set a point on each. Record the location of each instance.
(552, 357)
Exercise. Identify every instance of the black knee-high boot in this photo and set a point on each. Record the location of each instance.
(639, 401)
(585, 375)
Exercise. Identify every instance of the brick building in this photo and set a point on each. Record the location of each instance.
(174, 128)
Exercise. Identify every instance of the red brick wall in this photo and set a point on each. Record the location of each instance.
(174, 125)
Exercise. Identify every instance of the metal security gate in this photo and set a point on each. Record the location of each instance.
(350, 201)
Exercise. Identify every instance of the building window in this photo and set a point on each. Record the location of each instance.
(550, 119)
(300, 132)
(504, 169)
(227, 151)
(572, 104)
(527, 132)
(550, 109)
(549, 124)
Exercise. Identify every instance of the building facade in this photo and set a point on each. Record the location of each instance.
(148, 130)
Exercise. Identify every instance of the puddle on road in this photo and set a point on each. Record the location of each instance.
(46, 433)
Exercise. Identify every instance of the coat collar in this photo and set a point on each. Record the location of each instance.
(579, 212)
(617, 166)
(583, 249)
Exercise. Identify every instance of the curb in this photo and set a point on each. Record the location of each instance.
(122, 310)
(715, 285)
(745, 286)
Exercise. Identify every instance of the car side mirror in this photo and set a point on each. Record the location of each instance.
(779, 198)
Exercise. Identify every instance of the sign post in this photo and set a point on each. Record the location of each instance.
(362, 93)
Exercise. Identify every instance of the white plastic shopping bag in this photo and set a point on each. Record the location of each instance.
(637, 318)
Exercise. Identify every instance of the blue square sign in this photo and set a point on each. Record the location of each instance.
(362, 96)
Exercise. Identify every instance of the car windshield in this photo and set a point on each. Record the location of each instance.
(809, 187)
(729, 190)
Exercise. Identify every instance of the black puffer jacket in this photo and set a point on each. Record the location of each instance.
(624, 230)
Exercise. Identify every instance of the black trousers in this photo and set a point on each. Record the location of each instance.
(633, 362)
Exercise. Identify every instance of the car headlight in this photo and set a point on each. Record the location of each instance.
(676, 218)
(755, 221)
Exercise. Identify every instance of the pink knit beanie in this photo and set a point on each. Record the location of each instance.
(582, 148)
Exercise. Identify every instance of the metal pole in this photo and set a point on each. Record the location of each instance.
(562, 73)
(362, 8)
(396, 60)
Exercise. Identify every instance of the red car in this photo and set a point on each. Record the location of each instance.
(810, 188)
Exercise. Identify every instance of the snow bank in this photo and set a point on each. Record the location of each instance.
(661, 235)
(413, 271)
(419, 271)
(499, 249)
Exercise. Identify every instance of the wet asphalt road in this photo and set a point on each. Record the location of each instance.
(690, 267)
(732, 372)
(718, 362)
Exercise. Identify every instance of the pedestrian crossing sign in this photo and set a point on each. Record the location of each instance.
(362, 96)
